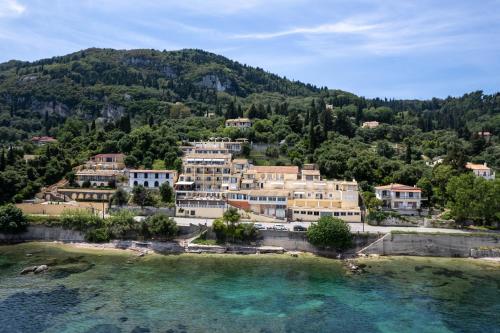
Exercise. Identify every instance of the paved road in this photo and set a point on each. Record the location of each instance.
(355, 227)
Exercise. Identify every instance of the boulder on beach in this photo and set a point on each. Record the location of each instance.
(41, 269)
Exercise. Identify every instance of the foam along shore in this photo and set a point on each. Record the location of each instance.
(149, 247)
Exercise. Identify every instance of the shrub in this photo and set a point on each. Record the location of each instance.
(330, 232)
(122, 223)
(119, 198)
(12, 219)
(80, 219)
(220, 229)
(162, 226)
(100, 235)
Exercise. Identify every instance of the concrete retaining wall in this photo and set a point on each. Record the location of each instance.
(431, 245)
(43, 233)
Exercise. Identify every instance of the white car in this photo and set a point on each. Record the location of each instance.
(280, 227)
(259, 226)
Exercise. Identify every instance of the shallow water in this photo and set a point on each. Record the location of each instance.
(114, 291)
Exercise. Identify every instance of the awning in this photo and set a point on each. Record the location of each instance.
(184, 183)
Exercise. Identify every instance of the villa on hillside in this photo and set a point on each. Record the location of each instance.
(106, 162)
(42, 140)
(240, 123)
(401, 198)
(370, 124)
(481, 170)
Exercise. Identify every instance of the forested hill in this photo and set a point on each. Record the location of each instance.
(106, 84)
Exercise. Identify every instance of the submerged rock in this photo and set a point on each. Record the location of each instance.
(27, 270)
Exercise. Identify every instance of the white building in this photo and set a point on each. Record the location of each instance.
(239, 123)
(151, 178)
(481, 170)
(401, 198)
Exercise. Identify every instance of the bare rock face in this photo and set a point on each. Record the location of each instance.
(212, 81)
(52, 108)
(113, 112)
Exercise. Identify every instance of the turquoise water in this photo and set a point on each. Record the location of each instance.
(90, 291)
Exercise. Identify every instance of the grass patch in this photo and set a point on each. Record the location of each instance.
(201, 241)
(159, 165)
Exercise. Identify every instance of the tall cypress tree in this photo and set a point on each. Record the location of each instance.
(2, 160)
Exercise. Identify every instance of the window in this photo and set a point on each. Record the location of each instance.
(135, 183)
(410, 195)
(135, 174)
(157, 184)
(145, 175)
(146, 184)
(342, 213)
(156, 175)
(309, 213)
(335, 213)
(316, 213)
(296, 212)
(356, 213)
(303, 212)
(193, 213)
(349, 213)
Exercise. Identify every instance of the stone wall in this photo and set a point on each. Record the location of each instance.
(431, 244)
(297, 241)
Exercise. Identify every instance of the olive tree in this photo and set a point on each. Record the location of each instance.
(330, 232)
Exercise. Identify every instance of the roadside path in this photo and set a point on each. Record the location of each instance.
(355, 227)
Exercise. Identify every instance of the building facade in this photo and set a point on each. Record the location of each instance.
(151, 178)
(402, 198)
(106, 162)
(241, 123)
(481, 170)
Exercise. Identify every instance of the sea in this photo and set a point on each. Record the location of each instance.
(108, 291)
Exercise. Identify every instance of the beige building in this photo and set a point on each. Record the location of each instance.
(370, 124)
(106, 162)
(102, 178)
(214, 146)
(401, 198)
(240, 123)
(481, 170)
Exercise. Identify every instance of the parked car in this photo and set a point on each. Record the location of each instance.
(259, 226)
(280, 227)
(299, 228)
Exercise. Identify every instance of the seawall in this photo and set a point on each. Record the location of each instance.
(432, 244)
(43, 233)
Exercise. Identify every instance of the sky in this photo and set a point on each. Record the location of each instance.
(373, 48)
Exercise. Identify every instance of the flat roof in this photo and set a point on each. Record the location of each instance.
(292, 169)
(398, 187)
(152, 171)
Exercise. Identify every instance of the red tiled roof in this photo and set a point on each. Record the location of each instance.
(109, 155)
(43, 139)
(398, 187)
(473, 166)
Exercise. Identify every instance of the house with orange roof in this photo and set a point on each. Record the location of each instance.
(481, 170)
(401, 198)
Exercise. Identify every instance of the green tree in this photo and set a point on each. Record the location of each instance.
(142, 197)
(166, 193)
(119, 198)
(12, 219)
(330, 232)
(161, 226)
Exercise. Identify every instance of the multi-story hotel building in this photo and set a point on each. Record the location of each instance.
(211, 182)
